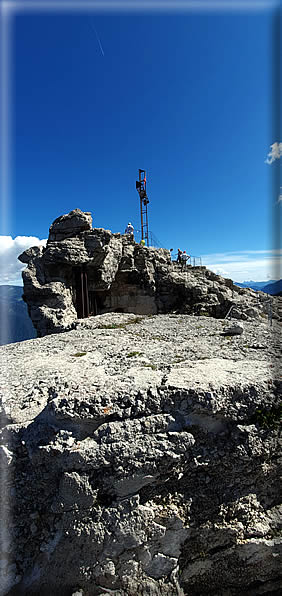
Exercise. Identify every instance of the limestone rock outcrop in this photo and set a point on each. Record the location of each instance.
(69, 225)
(139, 455)
(88, 271)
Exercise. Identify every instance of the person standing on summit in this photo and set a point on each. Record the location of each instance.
(184, 259)
(179, 255)
(129, 229)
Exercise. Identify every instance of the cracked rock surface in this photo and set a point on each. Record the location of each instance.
(139, 455)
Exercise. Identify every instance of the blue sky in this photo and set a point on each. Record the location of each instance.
(187, 96)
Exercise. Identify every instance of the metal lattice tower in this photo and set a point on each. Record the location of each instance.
(141, 188)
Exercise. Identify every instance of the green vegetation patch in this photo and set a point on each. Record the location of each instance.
(131, 354)
(268, 418)
(121, 325)
(179, 358)
(78, 354)
(152, 366)
(112, 326)
(134, 321)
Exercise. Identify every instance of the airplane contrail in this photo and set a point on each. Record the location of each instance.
(98, 39)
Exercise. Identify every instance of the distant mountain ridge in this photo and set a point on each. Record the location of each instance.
(272, 286)
(16, 324)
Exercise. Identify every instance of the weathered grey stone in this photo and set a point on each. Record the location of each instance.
(69, 225)
(139, 455)
(31, 253)
(122, 276)
(234, 330)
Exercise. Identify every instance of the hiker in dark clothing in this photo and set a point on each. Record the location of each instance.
(179, 254)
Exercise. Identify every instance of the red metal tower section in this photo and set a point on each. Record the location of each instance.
(141, 188)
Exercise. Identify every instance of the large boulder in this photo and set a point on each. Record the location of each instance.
(70, 224)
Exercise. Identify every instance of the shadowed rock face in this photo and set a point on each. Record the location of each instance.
(139, 455)
(86, 271)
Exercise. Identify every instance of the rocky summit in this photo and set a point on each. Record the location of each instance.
(139, 449)
(90, 271)
(139, 454)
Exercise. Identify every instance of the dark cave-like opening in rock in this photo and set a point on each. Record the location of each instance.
(80, 296)
(87, 298)
(97, 302)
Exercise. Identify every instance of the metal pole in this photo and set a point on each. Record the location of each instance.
(86, 296)
(82, 295)
(141, 205)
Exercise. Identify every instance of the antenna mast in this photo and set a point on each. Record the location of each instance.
(141, 188)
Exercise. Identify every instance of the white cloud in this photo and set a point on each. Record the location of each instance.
(275, 153)
(257, 265)
(10, 249)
